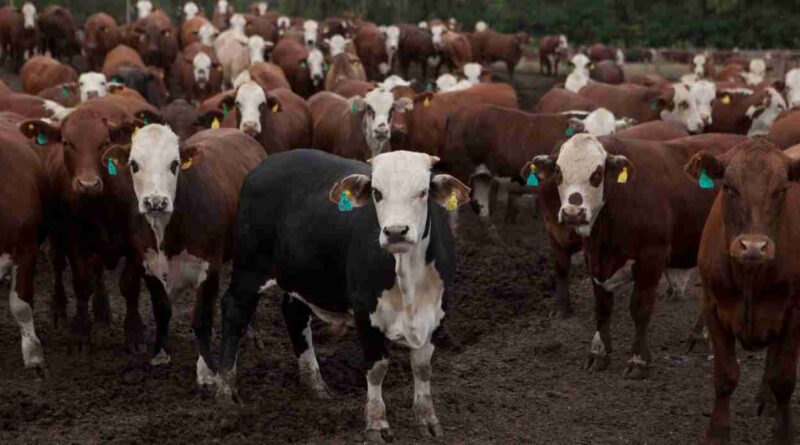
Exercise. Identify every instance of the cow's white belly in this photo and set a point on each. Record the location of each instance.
(178, 273)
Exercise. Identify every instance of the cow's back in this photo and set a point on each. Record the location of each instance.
(558, 100)
(295, 118)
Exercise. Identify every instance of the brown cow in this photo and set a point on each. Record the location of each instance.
(59, 32)
(456, 51)
(426, 122)
(124, 65)
(600, 51)
(269, 76)
(223, 11)
(156, 41)
(607, 71)
(30, 106)
(493, 46)
(261, 26)
(19, 32)
(553, 49)
(745, 111)
(220, 103)
(352, 88)
(652, 81)
(785, 131)
(416, 45)
(24, 209)
(654, 131)
(635, 238)
(371, 47)
(559, 100)
(356, 128)
(749, 266)
(191, 31)
(199, 72)
(65, 94)
(184, 119)
(41, 72)
(344, 66)
(303, 69)
(101, 35)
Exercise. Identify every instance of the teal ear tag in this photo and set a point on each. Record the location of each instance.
(654, 105)
(353, 108)
(112, 168)
(146, 121)
(41, 139)
(429, 87)
(570, 132)
(225, 110)
(345, 205)
(533, 180)
(64, 91)
(705, 181)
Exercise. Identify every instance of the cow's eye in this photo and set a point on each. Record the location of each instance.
(377, 195)
(683, 106)
(423, 194)
(597, 177)
(174, 167)
(134, 166)
(729, 190)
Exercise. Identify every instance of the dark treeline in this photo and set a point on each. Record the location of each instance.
(676, 23)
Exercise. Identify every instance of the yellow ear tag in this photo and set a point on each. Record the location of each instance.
(135, 130)
(215, 123)
(726, 100)
(427, 103)
(452, 202)
(187, 164)
(30, 126)
(275, 108)
(623, 176)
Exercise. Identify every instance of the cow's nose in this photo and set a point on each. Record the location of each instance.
(89, 186)
(706, 119)
(752, 249)
(395, 234)
(92, 94)
(156, 204)
(250, 128)
(573, 215)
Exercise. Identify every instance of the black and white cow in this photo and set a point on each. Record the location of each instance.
(383, 267)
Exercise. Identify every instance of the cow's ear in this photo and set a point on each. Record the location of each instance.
(619, 168)
(211, 119)
(403, 104)
(116, 156)
(226, 105)
(779, 85)
(274, 104)
(542, 165)
(662, 102)
(190, 156)
(40, 133)
(574, 126)
(148, 117)
(122, 133)
(356, 190)
(424, 98)
(357, 104)
(793, 171)
(449, 192)
(704, 161)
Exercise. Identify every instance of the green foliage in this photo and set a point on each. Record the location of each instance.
(676, 23)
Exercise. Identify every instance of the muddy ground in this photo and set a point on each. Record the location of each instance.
(517, 378)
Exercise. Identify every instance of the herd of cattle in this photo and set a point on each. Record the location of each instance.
(185, 146)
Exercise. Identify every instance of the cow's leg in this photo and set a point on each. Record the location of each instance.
(81, 327)
(162, 311)
(101, 308)
(373, 343)
(601, 343)
(699, 333)
(646, 275)
(427, 422)
(130, 284)
(58, 260)
(298, 320)
(781, 377)
(20, 301)
(481, 193)
(726, 377)
(201, 325)
(562, 258)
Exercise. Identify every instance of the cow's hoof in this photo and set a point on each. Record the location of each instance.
(597, 362)
(383, 435)
(42, 372)
(431, 430)
(134, 333)
(162, 358)
(637, 369)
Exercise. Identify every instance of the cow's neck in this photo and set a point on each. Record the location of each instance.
(409, 269)
(158, 224)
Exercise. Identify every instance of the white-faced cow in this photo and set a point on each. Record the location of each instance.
(92, 85)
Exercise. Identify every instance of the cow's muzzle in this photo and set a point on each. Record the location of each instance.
(88, 185)
(573, 216)
(156, 204)
(752, 250)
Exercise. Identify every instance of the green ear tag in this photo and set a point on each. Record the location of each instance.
(41, 139)
(112, 168)
(705, 181)
(64, 91)
(654, 105)
(533, 180)
(429, 87)
(225, 110)
(353, 108)
(570, 132)
(146, 121)
(345, 205)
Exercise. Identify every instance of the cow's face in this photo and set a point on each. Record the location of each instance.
(251, 102)
(316, 66)
(755, 177)
(402, 189)
(238, 22)
(92, 85)
(764, 113)
(580, 171)
(703, 93)
(256, 45)
(337, 45)
(207, 33)
(683, 109)
(201, 66)
(600, 122)
(473, 71)
(793, 87)
(581, 64)
(392, 38)
(190, 10)
(222, 7)
(310, 33)
(29, 15)
(262, 8)
(446, 82)
(379, 107)
(144, 8)
(436, 35)
(699, 63)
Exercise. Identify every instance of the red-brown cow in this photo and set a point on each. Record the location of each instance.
(607, 71)
(124, 65)
(371, 47)
(600, 51)
(559, 100)
(745, 111)
(416, 45)
(269, 76)
(19, 32)
(30, 106)
(493, 46)
(59, 32)
(184, 119)
(303, 69)
(191, 31)
(261, 26)
(456, 51)
(604, 190)
(199, 72)
(553, 49)
(65, 94)
(352, 88)
(223, 11)
(156, 41)
(344, 66)
(785, 131)
(41, 72)
(749, 265)
(652, 81)
(101, 35)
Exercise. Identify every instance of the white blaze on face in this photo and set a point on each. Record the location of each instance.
(481, 26)
(144, 8)
(757, 71)
(773, 106)
(92, 85)
(446, 82)
(401, 180)
(310, 30)
(562, 42)
(207, 33)
(379, 106)
(222, 6)
(436, 33)
(392, 36)
(262, 8)
(316, 63)
(600, 122)
(256, 46)
(201, 64)
(703, 94)
(473, 71)
(423, 24)
(793, 87)
(155, 164)
(190, 10)
(284, 23)
(684, 110)
(581, 64)
(699, 62)
(575, 81)
(238, 23)
(29, 15)
(582, 161)
(249, 99)
(337, 45)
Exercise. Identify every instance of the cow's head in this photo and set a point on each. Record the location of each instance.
(262, 8)
(473, 72)
(764, 112)
(792, 86)
(437, 31)
(337, 45)
(238, 23)
(190, 10)
(446, 82)
(201, 67)
(755, 176)
(681, 107)
(599, 122)
(699, 64)
(391, 35)
(310, 33)
(184, 120)
(758, 68)
(703, 93)
(379, 107)
(316, 66)
(222, 7)
(251, 102)
(84, 136)
(403, 189)
(207, 33)
(393, 81)
(257, 47)
(155, 160)
(144, 8)
(581, 64)
(92, 85)
(581, 170)
(481, 26)
(284, 23)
